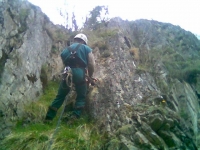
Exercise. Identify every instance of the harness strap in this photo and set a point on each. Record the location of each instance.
(78, 63)
(74, 50)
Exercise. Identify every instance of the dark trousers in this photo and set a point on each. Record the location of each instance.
(81, 90)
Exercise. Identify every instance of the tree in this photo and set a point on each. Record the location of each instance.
(97, 17)
(69, 17)
(74, 24)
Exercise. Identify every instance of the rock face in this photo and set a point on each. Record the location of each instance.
(27, 57)
(148, 91)
(137, 101)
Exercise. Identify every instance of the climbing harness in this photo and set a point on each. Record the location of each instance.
(67, 76)
(73, 59)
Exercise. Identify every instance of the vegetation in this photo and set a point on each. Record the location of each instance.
(135, 53)
(96, 19)
(23, 14)
(181, 68)
(106, 54)
(177, 65)
(31, 133)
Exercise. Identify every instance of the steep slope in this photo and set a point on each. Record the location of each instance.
(139, 99)
(148, 91)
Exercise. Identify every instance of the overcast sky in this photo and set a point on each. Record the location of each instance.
(185, 13)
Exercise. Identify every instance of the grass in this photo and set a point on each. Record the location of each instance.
(33, 134)
(135, 53)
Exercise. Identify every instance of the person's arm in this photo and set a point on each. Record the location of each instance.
(91, 64)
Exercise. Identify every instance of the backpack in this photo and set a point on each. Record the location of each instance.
(72, 60)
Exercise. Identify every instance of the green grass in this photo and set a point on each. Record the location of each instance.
(30, 133)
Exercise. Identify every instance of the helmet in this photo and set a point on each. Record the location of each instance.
(81, 36)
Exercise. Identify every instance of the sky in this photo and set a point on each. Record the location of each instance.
(184, 13)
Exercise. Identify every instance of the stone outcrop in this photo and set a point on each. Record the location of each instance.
(29, 56)
(136, 101)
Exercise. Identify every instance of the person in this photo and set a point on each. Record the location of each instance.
(79, 66)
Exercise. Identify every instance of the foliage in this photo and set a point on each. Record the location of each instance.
(97, 18)
(183, 114)
(177, 65)
(54, 50)
(100, 37)
(184, 70)
(34, 113)
(57, 34)
(74, 24)
(38, 136)
(23, 14)
(135, 53)
(31, 133)
(101, 44)
(106, 53)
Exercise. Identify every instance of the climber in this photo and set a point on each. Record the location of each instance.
(82, 64)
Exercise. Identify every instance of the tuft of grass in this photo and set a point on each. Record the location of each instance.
(106, 54)
(83, 136)
(102, 45)
(135, 53)
(36, 110)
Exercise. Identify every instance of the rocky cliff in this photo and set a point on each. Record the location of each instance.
(148, 91)
(141, 98)
(29, 56)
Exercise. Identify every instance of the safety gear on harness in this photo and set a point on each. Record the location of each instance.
(72, 60)
(81, 36)
(90, 80)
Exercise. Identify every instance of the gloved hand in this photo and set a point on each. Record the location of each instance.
(93, 81)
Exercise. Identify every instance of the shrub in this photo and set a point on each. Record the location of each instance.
(190, 75)
(135, 53)
(23, 14)
(106, 54)
(54, 50)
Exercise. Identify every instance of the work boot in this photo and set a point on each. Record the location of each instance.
(71, 118)
(48, 120)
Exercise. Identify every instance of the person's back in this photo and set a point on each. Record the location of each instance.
(78, 57)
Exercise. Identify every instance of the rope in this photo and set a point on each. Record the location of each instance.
(68, 77)
(69, 80)
(58, 124)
